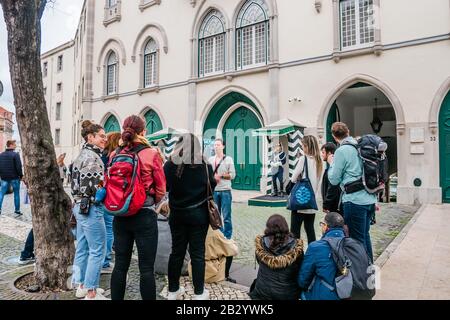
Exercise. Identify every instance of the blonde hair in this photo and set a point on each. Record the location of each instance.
(311, 148)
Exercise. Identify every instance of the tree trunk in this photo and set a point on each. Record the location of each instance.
(50, 205)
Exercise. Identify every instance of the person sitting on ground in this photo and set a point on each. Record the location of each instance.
(219, 253)
(318, 272)
(279, 255)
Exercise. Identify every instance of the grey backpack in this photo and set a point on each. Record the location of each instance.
(355, 276)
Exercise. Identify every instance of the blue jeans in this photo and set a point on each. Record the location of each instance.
(223, 200)
(90, 252)
(16, 187)
(357, 218)
(109, 238)
(279, 176)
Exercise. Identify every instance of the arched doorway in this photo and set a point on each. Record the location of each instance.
(112, 124)
(359, 106)
(153, 122)
(233, 118)
(444, 148)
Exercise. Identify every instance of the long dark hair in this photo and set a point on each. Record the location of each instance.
(187, 151)
(277, 229)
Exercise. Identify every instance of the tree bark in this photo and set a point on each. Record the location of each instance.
(50, 205)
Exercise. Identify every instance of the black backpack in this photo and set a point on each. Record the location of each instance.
(356, 273)
(372, 179)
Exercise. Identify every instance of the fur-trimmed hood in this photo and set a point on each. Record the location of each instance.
(281, 261)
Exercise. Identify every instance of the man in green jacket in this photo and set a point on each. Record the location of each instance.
(347, 168)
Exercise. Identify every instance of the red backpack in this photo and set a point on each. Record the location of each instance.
(125, 192)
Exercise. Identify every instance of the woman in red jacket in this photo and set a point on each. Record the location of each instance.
(141, 228)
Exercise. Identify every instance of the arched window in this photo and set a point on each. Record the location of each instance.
(153, 122)
(111, 74)
(150, 63)
(252, 34)
(212, 44)
(112, 124)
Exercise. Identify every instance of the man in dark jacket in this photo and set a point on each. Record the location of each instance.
(318, 270)
(330, 194)
(10, 174)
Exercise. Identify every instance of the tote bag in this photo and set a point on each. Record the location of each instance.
(302, 196)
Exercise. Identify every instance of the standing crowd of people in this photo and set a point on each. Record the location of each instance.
(285, 271)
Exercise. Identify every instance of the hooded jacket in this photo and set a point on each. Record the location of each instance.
(278, 270)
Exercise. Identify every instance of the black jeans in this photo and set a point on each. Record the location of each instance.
(279, 177)
(184, 233)
(297, 219)
(143, 229)
(28, 250)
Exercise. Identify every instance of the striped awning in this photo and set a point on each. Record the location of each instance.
(165, 134)
(279, 128)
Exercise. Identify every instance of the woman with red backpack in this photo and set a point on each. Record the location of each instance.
(140, 226)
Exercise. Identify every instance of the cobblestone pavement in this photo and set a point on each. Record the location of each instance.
(248, 222)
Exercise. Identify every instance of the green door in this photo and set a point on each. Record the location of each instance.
(112, 125)
(153, 122)
(333, 117)
(246, 149)
(444, 148)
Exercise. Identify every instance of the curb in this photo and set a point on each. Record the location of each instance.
(384, 257)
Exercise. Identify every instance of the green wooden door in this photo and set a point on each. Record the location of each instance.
(112, 125)
(444, 148)
(153, 122)
(246, 149)
(333, 116)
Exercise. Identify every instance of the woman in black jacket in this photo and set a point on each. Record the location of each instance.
(187, 177)
(279, 255)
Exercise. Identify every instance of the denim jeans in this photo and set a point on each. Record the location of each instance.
(279, 176)
(16, 188)
(109, 238)
(90, 252)
(357, 218)
(223, 200)
(141, 228)
(28, 250)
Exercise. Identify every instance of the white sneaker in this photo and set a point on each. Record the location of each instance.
(82, 292)
(176, 295)
(98, 296)
(203, 296)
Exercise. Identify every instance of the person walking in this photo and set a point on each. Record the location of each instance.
(346, 170)
(141, 228)
(187, 173)
(224, 172)
(10, 174)
(87, 177)
(279, 255)
(310, 163)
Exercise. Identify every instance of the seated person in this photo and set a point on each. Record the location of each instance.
(219, 253)
(279, 255)
(318, 272)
